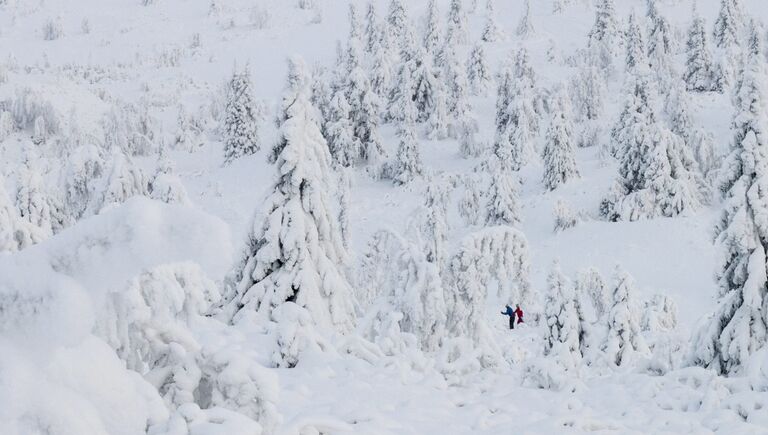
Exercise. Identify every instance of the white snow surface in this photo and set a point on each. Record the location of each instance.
(59, 373)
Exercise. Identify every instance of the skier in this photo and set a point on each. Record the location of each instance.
(511, 313)
(519, 313)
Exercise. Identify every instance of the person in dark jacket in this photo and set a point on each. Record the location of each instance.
(511, 313)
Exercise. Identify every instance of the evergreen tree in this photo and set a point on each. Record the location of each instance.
(636, 58)
(605, 31)
(15, 233)
(432, 35)
(525, 26)
(434, 224)
(559, 159)
(491, 31)
(503, 208)
(240, 120)
(355, 26)
(124, 181)
(457, 23)
(591, 283)
(372, 29)
(739, 328)
(290, 274)
(587, 92)
(364, 114)
(408, 159)
(36, 204)
(624, 340)
(381, 70)
(166, 186)
(726, 32)
(660, 49)
(700, 75)
(563, 328)
(651, 180)
(426, 87)
(469, 204)
(397, 24)
(478, 72)
(344, 146)
(84, 167)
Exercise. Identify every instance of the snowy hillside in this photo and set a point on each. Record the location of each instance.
(320, 217)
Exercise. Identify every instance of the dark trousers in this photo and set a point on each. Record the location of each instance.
(511, 322)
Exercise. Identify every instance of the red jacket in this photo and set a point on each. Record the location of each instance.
(519, 314)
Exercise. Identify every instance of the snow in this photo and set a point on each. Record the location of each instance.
(111, 326)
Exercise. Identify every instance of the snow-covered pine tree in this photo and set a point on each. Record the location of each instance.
(661, 49)
(605, 31)
(15, 233)
(636, 50)
(491, 32)
(700, 74)
(124, 181)
(372, 35)
(381, 70)
(427, 87)
(727, 26)
(241, 136)
(563, 337)
(457, 32)
(36, 204)
(587, 89)
(84, 167)
(459, 107)
(525, 26)
(624, 339)
(469, 204)
(651, 180)
(434, 225)
(364, 114)
(591, 283)
(166, 186)
(739, 327)
(355, 26)
(503, 207)
(558, 156)
(290, 273)
(432, 33)
(478, 72)
(344, 146)
(321, 93)
(397, 24)
(408, 164)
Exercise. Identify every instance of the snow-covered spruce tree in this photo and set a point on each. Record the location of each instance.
(700, 74)
(503, 204)
(558, 156)
(457, 32)
(322, 93)
(124, 181)
(478, 72)
(381, 70)
(491, 32)
(497, 254)
(652, 182)
(15, 233)
(407, 164)
(397, 24)
(401, 96)
(426, 87)
(605, 31)
(344, 146)
(434, 223)
(661, 50)
(408, 301)
(636, 50)
(727, 25)
(36, 204)
(355, 26)
(83, 168)
(591, 283)
(524, 87)
(565, 217)
(659, 314)
(739, 327)
(624, 339)
(525, 26)
(459, 107)
(432, 34)
(290, 273)
(469, 204)
(241, 136)
(187, 132)
(364, 114)
(438, 122)
(587, 89)
(372, 35)
(166, 186)
(562, 340)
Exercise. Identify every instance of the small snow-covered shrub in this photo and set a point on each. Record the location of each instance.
(85, 26)
(307, 4)
(545, 373)
(565, 218)
(131, 129)
(53, 29)
(32, 111)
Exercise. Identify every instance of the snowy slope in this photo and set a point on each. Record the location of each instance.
(58, 370)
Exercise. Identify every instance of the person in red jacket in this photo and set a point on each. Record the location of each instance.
(519, 314)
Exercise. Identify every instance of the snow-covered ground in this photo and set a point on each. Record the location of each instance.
(89, 314)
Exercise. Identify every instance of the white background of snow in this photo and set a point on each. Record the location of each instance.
(673, 256)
